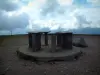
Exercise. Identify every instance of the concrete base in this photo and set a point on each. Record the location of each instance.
(45, 56)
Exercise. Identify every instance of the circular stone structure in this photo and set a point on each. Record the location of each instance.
(56, 47)
(43, 55)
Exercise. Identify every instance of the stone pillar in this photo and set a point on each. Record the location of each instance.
(30, 39)
(59, 39)
(53, 43)
(36, 41)
(67, 40)
(46, 38)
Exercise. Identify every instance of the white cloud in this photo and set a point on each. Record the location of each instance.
(65, 2)
(15, 19)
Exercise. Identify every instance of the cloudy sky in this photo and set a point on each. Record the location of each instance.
(21, 16)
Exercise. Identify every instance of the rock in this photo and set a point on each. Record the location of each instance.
(79, 42)
(25, 65)
(6, 70)
(45, 72)
(3, 74)
(51, 62)
(61, 71)
(32, 62)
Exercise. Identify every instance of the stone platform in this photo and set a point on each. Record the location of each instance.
(45, 56)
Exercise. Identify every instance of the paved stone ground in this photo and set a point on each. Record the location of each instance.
(88, 64)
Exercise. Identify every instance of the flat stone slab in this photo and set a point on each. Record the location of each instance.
(43, 55)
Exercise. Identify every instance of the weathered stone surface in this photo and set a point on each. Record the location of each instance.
(59, 39)
(53, 43)
(42, 55)
(36, 41)
(30, 39)
(46, 38)
(67, 40)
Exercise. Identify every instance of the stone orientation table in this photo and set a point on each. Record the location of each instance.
(59, 46)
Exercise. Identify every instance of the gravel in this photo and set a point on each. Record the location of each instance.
(87, 64)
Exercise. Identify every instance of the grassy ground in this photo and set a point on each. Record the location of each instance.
(10, 64)
(2, 39)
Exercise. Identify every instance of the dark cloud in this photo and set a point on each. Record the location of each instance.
(12, 22)
(9, 5)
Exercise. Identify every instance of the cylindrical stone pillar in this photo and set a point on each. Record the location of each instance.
(67, 40)
(36, 41)
(30, 39)
(46, 38)
(64, 41)
(53, 43)
(59, 39)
